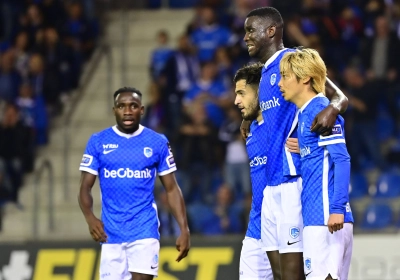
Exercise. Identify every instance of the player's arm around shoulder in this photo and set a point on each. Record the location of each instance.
(325, 120)
(177, 205)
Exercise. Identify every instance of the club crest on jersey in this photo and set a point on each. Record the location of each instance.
(307, 263)
(294, 232)
(273, 79)
(148, 152)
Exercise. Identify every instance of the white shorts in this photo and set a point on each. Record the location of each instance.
(281, 218)
(326, 253)
(254, 263)
(119, 260)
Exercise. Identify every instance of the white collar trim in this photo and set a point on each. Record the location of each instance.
(272, 58)
(308, 102)
(136, 133)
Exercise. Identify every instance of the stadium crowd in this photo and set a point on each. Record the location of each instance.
(43, 46)
(44, 43)
(192, 101)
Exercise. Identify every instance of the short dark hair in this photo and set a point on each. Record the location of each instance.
(268, 13)
(128, 89)
(250, 72)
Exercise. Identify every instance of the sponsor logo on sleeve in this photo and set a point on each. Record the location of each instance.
(337, 130)
(86, 160)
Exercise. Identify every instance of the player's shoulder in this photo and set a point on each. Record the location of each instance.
(102, 133)
(154, 135)
(317, 104)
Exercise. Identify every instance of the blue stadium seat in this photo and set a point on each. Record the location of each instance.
(385, 126)
(388, 185)
(358, 186)
(377, 216)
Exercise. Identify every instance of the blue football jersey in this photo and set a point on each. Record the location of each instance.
(127, 166)
(280, 117)
(323, 193)
(256, 151)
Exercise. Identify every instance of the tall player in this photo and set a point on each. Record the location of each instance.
(325, 170)
(254, 262)
(281, 229)
(127, 158)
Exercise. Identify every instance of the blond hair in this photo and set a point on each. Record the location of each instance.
(305, 63)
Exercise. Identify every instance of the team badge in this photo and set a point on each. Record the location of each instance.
(273, 79)
(148, 152)
(307, 263)
(294, 232)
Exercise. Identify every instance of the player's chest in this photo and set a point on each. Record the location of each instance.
(128, 153)
(308, 141)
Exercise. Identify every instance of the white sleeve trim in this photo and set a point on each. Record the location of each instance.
(89, 170)
(165, 172)
(330, 142)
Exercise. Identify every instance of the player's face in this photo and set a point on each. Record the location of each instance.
(290, 86)
(128, 111)
(247, 100)
(256, 38)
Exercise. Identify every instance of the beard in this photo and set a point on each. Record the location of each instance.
(252, 112)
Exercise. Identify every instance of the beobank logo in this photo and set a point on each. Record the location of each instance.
(127, 173)
(258, 161)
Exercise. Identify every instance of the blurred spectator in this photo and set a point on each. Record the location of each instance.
(380, 56)
(9, 77)
(21, 54)
(34, 22)
(225, 68)
(16, 148)
(211, 92)
(196, 142)
(364, 97)
(154, 115)
(178, 76)
(33, 113)
(237, 170)
(160, 55)
(209, 36)
(225, 216)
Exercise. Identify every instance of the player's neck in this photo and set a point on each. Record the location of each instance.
(259, 117)
(271, 51)
(303, 98)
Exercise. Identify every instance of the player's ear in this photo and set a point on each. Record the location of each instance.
(271, 31)
(142, 110)
(306, 80)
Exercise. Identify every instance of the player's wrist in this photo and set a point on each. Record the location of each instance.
(336, 107)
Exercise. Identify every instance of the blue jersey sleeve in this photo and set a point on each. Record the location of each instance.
(341, 161)
(166, 163)
(337, 135)
(90, 159)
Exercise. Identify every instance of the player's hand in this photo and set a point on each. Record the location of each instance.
(335, 222)
(293, 145)
(245, 129)
(96, 229)
(183, 245)
(325, 120)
